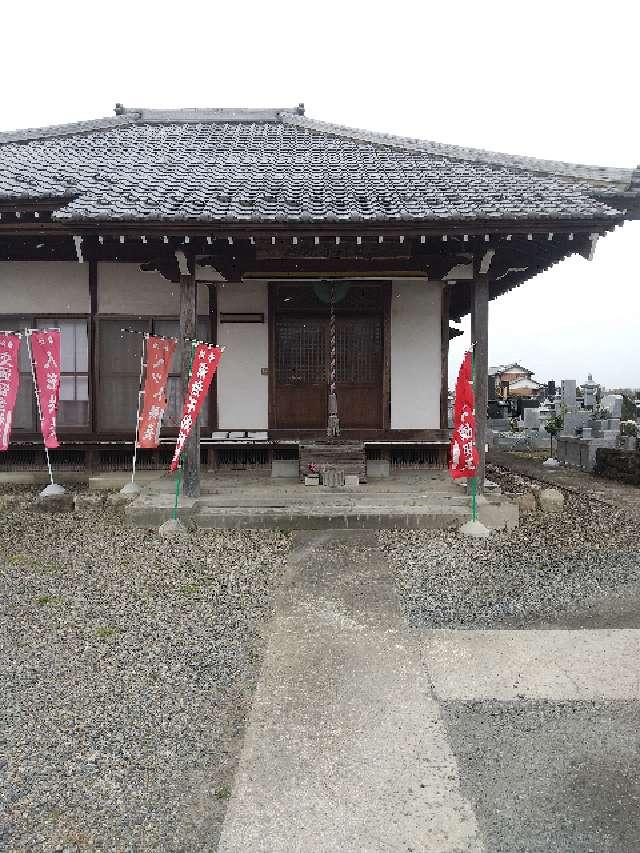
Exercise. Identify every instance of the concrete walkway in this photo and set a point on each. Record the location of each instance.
(345, 746)
(350, 742)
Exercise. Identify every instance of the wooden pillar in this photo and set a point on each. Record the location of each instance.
(480, 336)
(444, 359)
(191, 451)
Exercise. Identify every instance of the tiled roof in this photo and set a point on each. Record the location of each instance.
(279, 166)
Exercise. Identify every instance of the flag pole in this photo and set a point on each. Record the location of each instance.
(52, 488)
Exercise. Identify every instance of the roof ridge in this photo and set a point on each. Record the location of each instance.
(32, 134)
(125, 116)
(206, 115)
(558, 168)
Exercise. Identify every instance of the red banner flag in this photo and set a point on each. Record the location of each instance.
(45, 352)
(159, 356)
(464, 388)
(464, 453)
(9, 382)
(205, 364)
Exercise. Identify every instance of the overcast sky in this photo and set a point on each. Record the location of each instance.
(549, 79)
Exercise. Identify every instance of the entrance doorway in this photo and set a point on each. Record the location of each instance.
(301, 357)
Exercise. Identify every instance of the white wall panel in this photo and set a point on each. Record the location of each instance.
(125, 289)
(243, 392)
(46, 287)
(415, 354)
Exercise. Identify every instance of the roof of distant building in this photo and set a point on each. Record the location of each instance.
(507, 368)
(525, 383)
(277, 165)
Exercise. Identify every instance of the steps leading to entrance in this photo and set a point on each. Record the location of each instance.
(347, 456)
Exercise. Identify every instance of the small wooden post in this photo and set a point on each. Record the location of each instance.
(191, 451)
(480, 336)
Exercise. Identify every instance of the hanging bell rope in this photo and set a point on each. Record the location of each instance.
(333, 426)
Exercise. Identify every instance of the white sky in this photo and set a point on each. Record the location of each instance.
(548, 79)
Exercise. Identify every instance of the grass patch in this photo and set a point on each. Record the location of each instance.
(49, 601)
(105, 632)
(222, 793)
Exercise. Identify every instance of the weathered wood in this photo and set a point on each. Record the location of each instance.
(191, 451)
(480, 335)
(444, 359)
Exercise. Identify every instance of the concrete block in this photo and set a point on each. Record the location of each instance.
(378, 468)
(332, 478)
(284, 469)
(551, 501)
(89, 501)
(55, 503)
(526, 503)
(312, 481)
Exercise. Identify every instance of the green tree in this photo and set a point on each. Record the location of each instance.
(628, 409)
(553, 426)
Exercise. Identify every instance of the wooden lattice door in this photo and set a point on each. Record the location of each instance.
(302, 358)
(359, 368)
(301, 373)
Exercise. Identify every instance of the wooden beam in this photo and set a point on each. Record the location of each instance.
(93, 353)
(480, 336)
(191, 451)
(444, 358)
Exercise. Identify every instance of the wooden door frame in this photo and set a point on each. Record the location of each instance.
(386, 287)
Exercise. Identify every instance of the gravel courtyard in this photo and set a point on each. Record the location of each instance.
(566, 570)
(127, 665)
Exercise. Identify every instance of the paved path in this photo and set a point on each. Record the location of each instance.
(366, 735)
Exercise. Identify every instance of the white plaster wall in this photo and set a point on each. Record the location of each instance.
(125, 289)
(243, 393)
(46, 287)
(415, 354)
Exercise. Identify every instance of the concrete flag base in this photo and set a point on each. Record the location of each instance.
(52, 489)
(475, 530)
(130, 489)
(172, 528)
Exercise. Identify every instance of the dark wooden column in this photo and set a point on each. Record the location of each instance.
(444, 359)
(191, 451)
(480, 336)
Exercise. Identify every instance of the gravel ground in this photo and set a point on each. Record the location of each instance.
(546, 568)
(127, 664)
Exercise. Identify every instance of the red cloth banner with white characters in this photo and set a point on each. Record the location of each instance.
(45, 352)
(9, 382)
(463, 453)
(159, 356)
(205, 363)
(464, 388)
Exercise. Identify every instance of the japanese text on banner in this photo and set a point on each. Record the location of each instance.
(9, 382)
(205, 364)
(159, 356)
(45, 351)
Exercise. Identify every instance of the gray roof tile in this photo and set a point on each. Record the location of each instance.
(278, 166)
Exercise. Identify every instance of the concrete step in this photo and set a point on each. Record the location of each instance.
(145, 513)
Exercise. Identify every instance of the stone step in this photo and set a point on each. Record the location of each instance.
(302, 517)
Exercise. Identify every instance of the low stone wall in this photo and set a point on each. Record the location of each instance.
(620, 465)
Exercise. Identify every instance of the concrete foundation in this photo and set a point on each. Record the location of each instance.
(403, 501)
